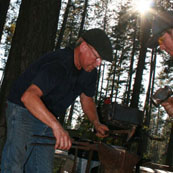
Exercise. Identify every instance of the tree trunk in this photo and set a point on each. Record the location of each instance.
(70, 117)
(83, 17)
(119, 75)
(105, 16)
(141, 63)
(102, 81)
(114, 71)
(169, 156)
(97, 84)
(147, 106)
(60, 36)
(4, 4)
(109, 79)
(34, 35)
(131, 69)
(148, 94)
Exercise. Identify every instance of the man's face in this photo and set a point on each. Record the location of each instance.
(88, 57)
(166, 42)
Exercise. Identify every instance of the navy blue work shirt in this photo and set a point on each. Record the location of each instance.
(58, 78)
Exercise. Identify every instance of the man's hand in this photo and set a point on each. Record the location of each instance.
(101, 129)
(63, 140)
(89, 109)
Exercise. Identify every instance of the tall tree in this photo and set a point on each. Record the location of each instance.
(148, 104)
(60, 36)
(125, 28)
(101, 79)
(127, 99)
(144, 36)
(4, 4)
(34, 35)
(83, 17)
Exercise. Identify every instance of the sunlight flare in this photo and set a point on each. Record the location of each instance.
(142, 5)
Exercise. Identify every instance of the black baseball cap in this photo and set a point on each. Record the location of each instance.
(162, 22)
(100, 41)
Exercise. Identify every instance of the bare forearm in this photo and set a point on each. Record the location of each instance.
(32, 101)
(89, 109)
(35, 105)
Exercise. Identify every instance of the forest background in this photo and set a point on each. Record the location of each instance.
(30, 28)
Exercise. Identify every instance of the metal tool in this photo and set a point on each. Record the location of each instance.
(130, 132)
(75, 144)
(161, 95)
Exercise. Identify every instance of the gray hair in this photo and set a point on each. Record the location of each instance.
(78, 42)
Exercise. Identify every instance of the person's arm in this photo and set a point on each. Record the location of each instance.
(32, 101)
(168, 105)
(89, 109)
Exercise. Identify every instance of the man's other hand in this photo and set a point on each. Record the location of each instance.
(102, 130)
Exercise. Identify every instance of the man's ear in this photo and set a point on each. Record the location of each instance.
(84, 45)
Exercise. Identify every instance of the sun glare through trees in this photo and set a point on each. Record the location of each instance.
(142, 6)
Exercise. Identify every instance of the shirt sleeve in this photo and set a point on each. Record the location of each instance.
(48, 77)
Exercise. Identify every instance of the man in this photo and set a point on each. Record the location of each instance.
(162, 29)
(42, 93)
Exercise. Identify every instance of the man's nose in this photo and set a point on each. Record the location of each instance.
(171, 54)
(162, 47)
(98, 62)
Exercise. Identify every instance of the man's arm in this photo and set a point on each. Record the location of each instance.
(32, 101)
(89, 109)
(168, 105)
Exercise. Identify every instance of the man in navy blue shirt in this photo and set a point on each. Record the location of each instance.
(43, 93)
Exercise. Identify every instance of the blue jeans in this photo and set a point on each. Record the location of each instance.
(19, 155)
